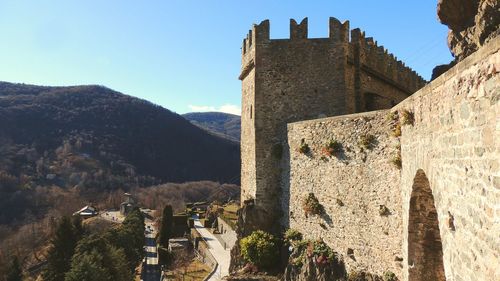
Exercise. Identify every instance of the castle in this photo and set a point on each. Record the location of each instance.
(414, 187)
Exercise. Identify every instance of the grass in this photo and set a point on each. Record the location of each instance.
(407, 117)
(195, 271)
(366, 141)
(230, 215)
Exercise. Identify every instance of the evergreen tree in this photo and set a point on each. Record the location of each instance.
(98, 256)
(166, 226)
(77, 227)
(88, 267)
(15, 272)
(61, 251)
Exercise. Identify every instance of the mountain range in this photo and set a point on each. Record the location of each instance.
(60, 131)
(218, 123)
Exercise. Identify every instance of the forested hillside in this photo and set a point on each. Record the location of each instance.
(218, 123)
(94, 138)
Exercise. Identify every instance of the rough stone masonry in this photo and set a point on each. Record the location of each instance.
(414, 188)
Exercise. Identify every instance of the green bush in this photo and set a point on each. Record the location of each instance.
(292, 235)
(390, 276)
(260, 248)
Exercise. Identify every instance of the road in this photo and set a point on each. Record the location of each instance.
(150, 267)
(221, 255)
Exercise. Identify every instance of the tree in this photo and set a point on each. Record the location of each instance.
(88, 267)
(15, 272)
(77, 227)
(98, 256)
(166, 226)
(61, 251)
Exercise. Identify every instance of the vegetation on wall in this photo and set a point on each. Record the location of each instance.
(366, 276)
(407, 117)
(396, 159)
(394, 123)
(292, 235)
(312, 206)
(316, 250)
(332, 148)
(260, 248)
(367, 141)
(304, 147)
(383, 210)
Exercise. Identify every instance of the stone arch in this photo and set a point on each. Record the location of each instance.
(425, 250)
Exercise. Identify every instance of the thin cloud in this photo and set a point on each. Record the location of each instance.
(226, 108)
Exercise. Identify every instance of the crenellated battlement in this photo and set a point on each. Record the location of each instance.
(372, 58)
(260, 33)
(377, 59)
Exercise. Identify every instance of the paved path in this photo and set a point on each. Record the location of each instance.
(221, 255)
(113, 216)
(150, 267)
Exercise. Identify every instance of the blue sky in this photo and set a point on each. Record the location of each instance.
(185, 54)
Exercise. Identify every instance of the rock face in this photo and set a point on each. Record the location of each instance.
(250, 219)
(472, 23)
(312, 271)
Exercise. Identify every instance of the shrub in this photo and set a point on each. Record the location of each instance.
(396, 130)
(292, 235)
(392, 116)
(304, 147)
(321, 252)
(383, 210)
(312, 206)
(317, 250)
(260, 248)
(407, 117)
(390, 276)
(366, 141)
(339, 202)
(396, 160)
(332, 148)
(363, 276)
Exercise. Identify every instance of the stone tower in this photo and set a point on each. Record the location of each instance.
(288, 80)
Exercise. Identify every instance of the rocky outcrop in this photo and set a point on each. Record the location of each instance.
(313, 261)
(312, 271)
(250, 219)
(472, 23)
(440, 69)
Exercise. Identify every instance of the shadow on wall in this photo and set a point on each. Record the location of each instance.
(425, 253)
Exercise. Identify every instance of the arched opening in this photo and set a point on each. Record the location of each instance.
(425, 251)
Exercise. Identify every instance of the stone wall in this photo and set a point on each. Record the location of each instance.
(355, 187)
(455, 142)
(227, 234)
(301, 78)
(443, 207)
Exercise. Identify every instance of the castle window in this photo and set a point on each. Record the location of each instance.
(251, 112)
